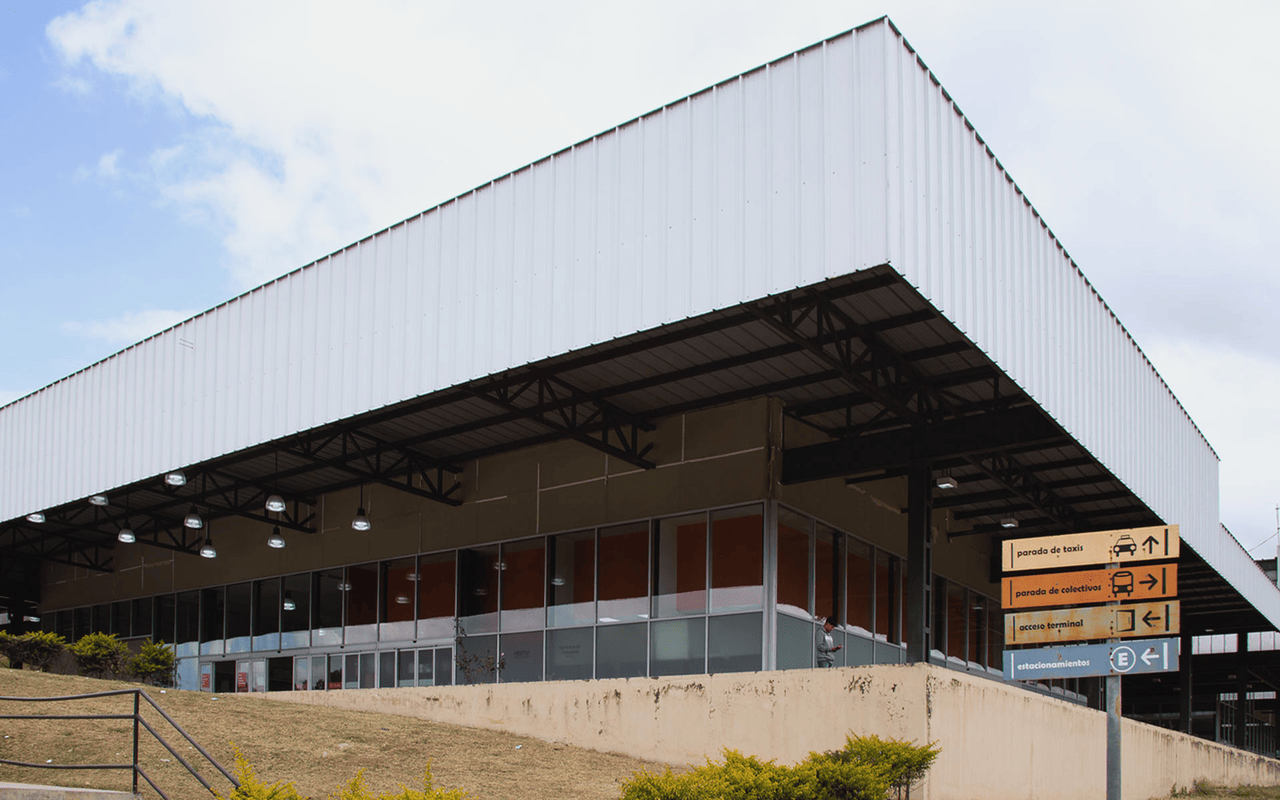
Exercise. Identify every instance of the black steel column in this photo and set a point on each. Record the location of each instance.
(1242, 689)
(919, 561)
(1186, 703)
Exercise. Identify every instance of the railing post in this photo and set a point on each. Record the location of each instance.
(137, 715)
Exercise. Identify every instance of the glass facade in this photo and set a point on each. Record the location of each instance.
(686, 594)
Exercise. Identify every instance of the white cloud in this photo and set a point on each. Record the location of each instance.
(108, 166)
(128, 328)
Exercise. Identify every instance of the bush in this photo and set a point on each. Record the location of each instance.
(867, 768)
(37, 648)
(100, 654)
(154, 664)
(356, 790)
(251, 788)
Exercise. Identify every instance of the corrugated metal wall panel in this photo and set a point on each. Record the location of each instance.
(841, 157)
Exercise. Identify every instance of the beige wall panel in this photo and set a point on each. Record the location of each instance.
(514, 516)
(723, 481)
(643, 493)
(562, 463)
(998, 742)
(392, 537)
(503, 474)
(964, 560)
(666, 438)
(157, 577)
(859, 510)
(125, 583)
(579, 506)
(726, 429)
(383, 502)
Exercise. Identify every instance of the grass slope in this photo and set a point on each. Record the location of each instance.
(316, 748)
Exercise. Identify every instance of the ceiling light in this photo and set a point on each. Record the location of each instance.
(207, 550)
(125, 535)
(499, 565)
(412, 576)
(192, 520)
(557, 581)
(176, 478)
(361, 522)
(402, 599)
(275, 540)
(1008, 522)
(98, 500)
(275, 504)
(36, 517)
(947, 482)
(289, 605)
(481, 591)
(344, 587)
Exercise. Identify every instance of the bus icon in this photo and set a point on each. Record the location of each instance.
(1121, 583)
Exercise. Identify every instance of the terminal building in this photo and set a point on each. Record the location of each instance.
(792, 347)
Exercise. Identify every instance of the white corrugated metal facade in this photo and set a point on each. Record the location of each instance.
(841, 157)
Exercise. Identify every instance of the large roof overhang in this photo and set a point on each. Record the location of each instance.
(863, 358)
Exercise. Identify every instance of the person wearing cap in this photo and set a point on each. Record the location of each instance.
(826, 645)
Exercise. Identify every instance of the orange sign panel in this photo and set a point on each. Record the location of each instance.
(1159, 543)
(1090, 586)
(1092, 622)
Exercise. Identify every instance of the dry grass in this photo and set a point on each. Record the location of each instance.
(1208, 790)
(316, 748)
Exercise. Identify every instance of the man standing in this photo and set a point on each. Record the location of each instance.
(826, 645)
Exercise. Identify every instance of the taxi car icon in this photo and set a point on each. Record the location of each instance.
(1125, 544)
(1121, 583)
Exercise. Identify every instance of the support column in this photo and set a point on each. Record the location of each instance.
(1186, 701)
(916, 628)
(1242, 689)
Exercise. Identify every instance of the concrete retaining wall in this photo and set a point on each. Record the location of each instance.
(997, 741)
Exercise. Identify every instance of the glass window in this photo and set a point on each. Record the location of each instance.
(351, 671)
(826, 574)
(302, 673)
(66, 625)
(569, 654)
(478, 590)
(977, 626)
(335, 672)
(387, 670)
(368, 670)
(436, 595)
(859, 584)
(573, 579)
(187, 636)
(678, 647)
(425, 677)
(327, 595)
(734, 643)
(521, 655)
(118, 622)
(444, 666)
(623, 581)
(239, 621)
(939, 632)
(737, 559)
(680, 567)
(995, 637)
(523, 592)
(295, 611)
(887, 597)
(362, 604)
(166, 618)
(477, 659)
(318, 682)
(622, 651)
(140, 625)
(212, 608)
(399, 587)
(795, 642)
(793, 561)
(266, 614)
(406, 668)
(957, 624)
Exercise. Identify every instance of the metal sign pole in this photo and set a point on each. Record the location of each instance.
(1113, 737)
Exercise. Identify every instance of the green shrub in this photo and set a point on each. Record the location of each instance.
(154, 664)
(357, 790)
(37, 648)
(251, 788)
(867, 768)
(100, 654)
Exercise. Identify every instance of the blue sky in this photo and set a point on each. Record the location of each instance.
(162, 157)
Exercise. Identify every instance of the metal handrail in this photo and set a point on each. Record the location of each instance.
(138, 695)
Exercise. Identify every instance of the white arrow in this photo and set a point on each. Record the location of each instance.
(1149, 656)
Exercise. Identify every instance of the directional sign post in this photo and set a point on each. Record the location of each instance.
(1092, 622)
(1091, 549)
(1091, 660)
(1090, 586)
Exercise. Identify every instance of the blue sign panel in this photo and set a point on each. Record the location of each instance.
(1091, 660)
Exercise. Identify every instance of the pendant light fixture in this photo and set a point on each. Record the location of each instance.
(275, 503)
(275, 540)
(36, 516)
(192, 519)
(207, 550)
(361, 522)
(289, 605)
(176, 478)
(126, 534)
(98, 500)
